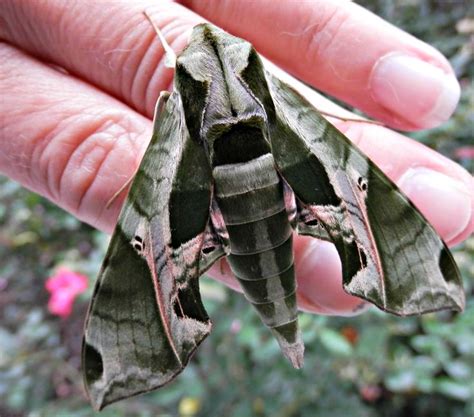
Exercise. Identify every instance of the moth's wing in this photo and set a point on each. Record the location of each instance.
(391, 256)
(146, 317)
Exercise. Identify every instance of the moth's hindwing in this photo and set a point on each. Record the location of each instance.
(146, 317)
(390, 254)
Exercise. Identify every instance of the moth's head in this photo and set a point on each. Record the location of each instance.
(221, 80)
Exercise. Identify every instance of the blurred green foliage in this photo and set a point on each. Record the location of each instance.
(371, 365)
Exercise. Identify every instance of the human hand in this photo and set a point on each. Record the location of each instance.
(77, 135)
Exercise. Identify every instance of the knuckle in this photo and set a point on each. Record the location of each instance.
(83, 158)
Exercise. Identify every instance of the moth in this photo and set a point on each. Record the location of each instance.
(237, 162)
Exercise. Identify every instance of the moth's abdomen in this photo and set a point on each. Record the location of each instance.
(250, 197)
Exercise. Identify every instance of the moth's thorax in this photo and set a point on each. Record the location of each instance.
(219, 105)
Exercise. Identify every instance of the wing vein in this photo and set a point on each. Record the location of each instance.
(159, 298)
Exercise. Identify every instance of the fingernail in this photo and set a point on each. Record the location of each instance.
(414, 90)
(445, 202)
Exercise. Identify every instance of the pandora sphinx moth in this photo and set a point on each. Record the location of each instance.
(237, 162)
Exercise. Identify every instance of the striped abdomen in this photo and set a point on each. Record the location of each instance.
(250, 197)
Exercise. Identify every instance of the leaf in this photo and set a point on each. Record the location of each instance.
(401, 381)
(335, 342)
(433, 346)
(458, 369)
(457, 390)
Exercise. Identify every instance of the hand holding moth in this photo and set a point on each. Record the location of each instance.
(82, 134)
(157, 249)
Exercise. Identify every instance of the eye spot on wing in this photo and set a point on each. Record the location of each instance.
(362, 184)
(138, 244)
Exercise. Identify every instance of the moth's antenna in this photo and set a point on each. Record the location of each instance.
(170, 57)
(350, 119)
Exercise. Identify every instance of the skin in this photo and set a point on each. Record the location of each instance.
(79, 81)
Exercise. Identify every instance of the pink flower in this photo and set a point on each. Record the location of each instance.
(370, 393)
(64, 286)
(235, 326)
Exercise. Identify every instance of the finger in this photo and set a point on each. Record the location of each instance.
(319, 272)
(65, 139)
(348, 52)
(110, 45)
(112, 51)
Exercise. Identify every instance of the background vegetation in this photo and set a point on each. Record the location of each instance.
(372, 365)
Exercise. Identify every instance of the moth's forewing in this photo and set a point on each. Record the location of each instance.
(390, 254)
(146, 317)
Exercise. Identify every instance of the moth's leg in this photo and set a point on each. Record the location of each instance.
(302, 217)
(350, 119)
(290, 203)
(221, 266)
(121, 189)
(216, 240)
(162, 99)
(211, 250)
